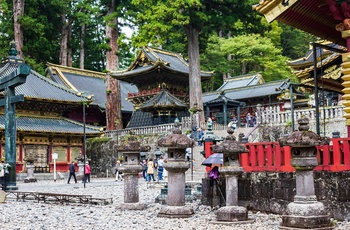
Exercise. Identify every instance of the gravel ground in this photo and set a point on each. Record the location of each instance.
(31, 215)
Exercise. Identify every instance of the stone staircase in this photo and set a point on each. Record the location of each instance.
(200, 171)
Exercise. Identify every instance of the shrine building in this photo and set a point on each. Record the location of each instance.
(162, 80)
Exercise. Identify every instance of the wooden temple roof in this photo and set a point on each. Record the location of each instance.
(158, 66)
(312, 16)
(163, 100)
(89, 83)
(243, 93)
(54, 125)
(328, 68)
(41, 90)
(241, 81)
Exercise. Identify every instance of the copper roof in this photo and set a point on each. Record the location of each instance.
(163, 100)
(162, 65)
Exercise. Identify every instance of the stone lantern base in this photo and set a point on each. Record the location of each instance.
(176, 212)
(30, 174)
(306, 216)
(232, 213)
(131, 206)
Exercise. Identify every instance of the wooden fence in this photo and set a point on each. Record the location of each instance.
(271, 157)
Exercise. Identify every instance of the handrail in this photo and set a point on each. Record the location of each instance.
(274, 115)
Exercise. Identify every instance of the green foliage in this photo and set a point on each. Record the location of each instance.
(249, 54)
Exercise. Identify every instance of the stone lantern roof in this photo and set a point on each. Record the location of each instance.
(176, 139)
(230, 144)
(303, 137)
(131, 144)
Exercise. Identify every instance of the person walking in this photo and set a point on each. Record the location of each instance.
(144, 169)
(160, 168)
(72, 172)
(150, 170)
(118, 173)
(87, 172)
(2, 174)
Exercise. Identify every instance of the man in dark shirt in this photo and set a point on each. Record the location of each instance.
(72, 172)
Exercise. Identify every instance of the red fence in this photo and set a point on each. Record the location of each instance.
(270, 156)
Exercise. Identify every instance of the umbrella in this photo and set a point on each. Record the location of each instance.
(216, 158)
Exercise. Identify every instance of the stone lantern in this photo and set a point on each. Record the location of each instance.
(231, 170)
(176, 167)
(131, 167)
(305, 212)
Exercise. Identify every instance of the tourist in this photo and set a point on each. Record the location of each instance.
(188, 154)
(200, 135)
(144, 169)
(118, 173)
(249, 120)
(160, 168)
(72, 172)
(233, 123)
(2, 174)
(193, 165)
(87, 173)
(150, 170)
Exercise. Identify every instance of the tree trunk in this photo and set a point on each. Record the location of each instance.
(82, 49)
(18, 9)
(196, 99)
(64, 41)
(69, 46)
(113, 103)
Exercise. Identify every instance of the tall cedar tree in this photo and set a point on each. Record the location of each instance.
(113, 103)
(197, 18)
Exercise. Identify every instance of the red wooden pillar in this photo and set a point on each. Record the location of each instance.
(252, 157)
(261, 157)
(336, 154)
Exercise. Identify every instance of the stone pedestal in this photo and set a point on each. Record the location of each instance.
(131, 188)
(231, 212)
(176, 167)
(30, 174)
(2, 196)
(176, 191)
(131, 168)
(305, 212)
(80, 173)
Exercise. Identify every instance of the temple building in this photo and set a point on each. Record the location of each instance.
(325, 19)
(162, 80)
(240, 95)
(90, 83)
(42, 125)
(328, 72)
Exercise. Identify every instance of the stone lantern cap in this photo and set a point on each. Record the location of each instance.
(176, 139)
(303, 137)
(230, 145)
(131, 144)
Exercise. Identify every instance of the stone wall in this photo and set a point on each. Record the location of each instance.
(103, 155)
(272, 192)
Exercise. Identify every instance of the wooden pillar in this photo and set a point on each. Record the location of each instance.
(346, 79)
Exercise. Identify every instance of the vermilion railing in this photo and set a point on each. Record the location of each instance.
(271, 157)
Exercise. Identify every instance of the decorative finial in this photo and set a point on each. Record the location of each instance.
(13, 51)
